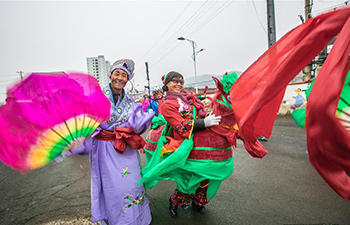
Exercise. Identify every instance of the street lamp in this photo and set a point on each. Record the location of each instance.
(194, 45)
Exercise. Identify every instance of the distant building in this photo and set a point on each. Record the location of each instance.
(204, 80)
(99, 68)
(298, 78)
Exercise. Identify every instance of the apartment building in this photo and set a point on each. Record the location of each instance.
(99, 68)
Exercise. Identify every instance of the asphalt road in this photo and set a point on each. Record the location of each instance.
(281, 188)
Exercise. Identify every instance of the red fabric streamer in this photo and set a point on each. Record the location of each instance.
(257, 94)
(328, 142)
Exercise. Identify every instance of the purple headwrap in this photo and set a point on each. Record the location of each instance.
(124, 64)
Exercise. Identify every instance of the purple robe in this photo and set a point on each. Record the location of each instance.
(115, 195)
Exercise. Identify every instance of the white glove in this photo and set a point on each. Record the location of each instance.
(212, 120)
(150, 110)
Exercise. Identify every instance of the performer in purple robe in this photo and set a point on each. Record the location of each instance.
(115, 164)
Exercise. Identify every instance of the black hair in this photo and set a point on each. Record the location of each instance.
(169, 77)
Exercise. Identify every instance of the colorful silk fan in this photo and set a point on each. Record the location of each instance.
(48, 114)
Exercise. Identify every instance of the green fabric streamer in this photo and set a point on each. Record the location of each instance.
(299, 117)
(228, 80)
(307, 91)
(158, 121)
(187, 173)
(344, 100)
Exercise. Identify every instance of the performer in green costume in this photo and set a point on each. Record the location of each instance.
(197, 163)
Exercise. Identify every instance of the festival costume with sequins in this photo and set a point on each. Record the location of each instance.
(180, 117)
(173, 152)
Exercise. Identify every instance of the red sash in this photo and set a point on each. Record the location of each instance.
(121, 137)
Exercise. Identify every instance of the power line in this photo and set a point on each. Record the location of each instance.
(184, 28)
(156, 42)
(212, 16)
(342, 5)
(172, 38)
(203, 12)
(256, 12)
(162, 49)
(324, 10)
(9, 75)
(155, 63)
(8, 80)
(208, 19)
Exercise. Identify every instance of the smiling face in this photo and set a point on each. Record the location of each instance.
(119, 78)
(175, 84)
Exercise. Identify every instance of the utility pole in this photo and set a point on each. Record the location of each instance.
(307, 10)
(307, 69)
(271, 26)
(149, 86)
(194, 46)
(20, 74)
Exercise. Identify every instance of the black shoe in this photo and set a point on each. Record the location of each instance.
(201, 209)
(172, 209)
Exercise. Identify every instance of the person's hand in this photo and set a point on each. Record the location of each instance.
(212, 120)
(141, 150)
(151, 110)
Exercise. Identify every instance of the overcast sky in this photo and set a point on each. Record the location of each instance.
(46, 36)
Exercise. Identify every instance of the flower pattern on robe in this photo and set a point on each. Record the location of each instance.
(109, 168)
(139, 200)
(125, 172)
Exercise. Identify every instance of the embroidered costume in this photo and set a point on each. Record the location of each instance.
(183, 114)
(115, 163)
(179, 113)
(178, 147)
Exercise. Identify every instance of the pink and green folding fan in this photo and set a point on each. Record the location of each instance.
(48, 114)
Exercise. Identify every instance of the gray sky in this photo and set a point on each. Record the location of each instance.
(46, 36)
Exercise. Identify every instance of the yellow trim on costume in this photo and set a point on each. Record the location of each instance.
(204, 185)
(234, 127)
(189, 136)
(164, 150)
